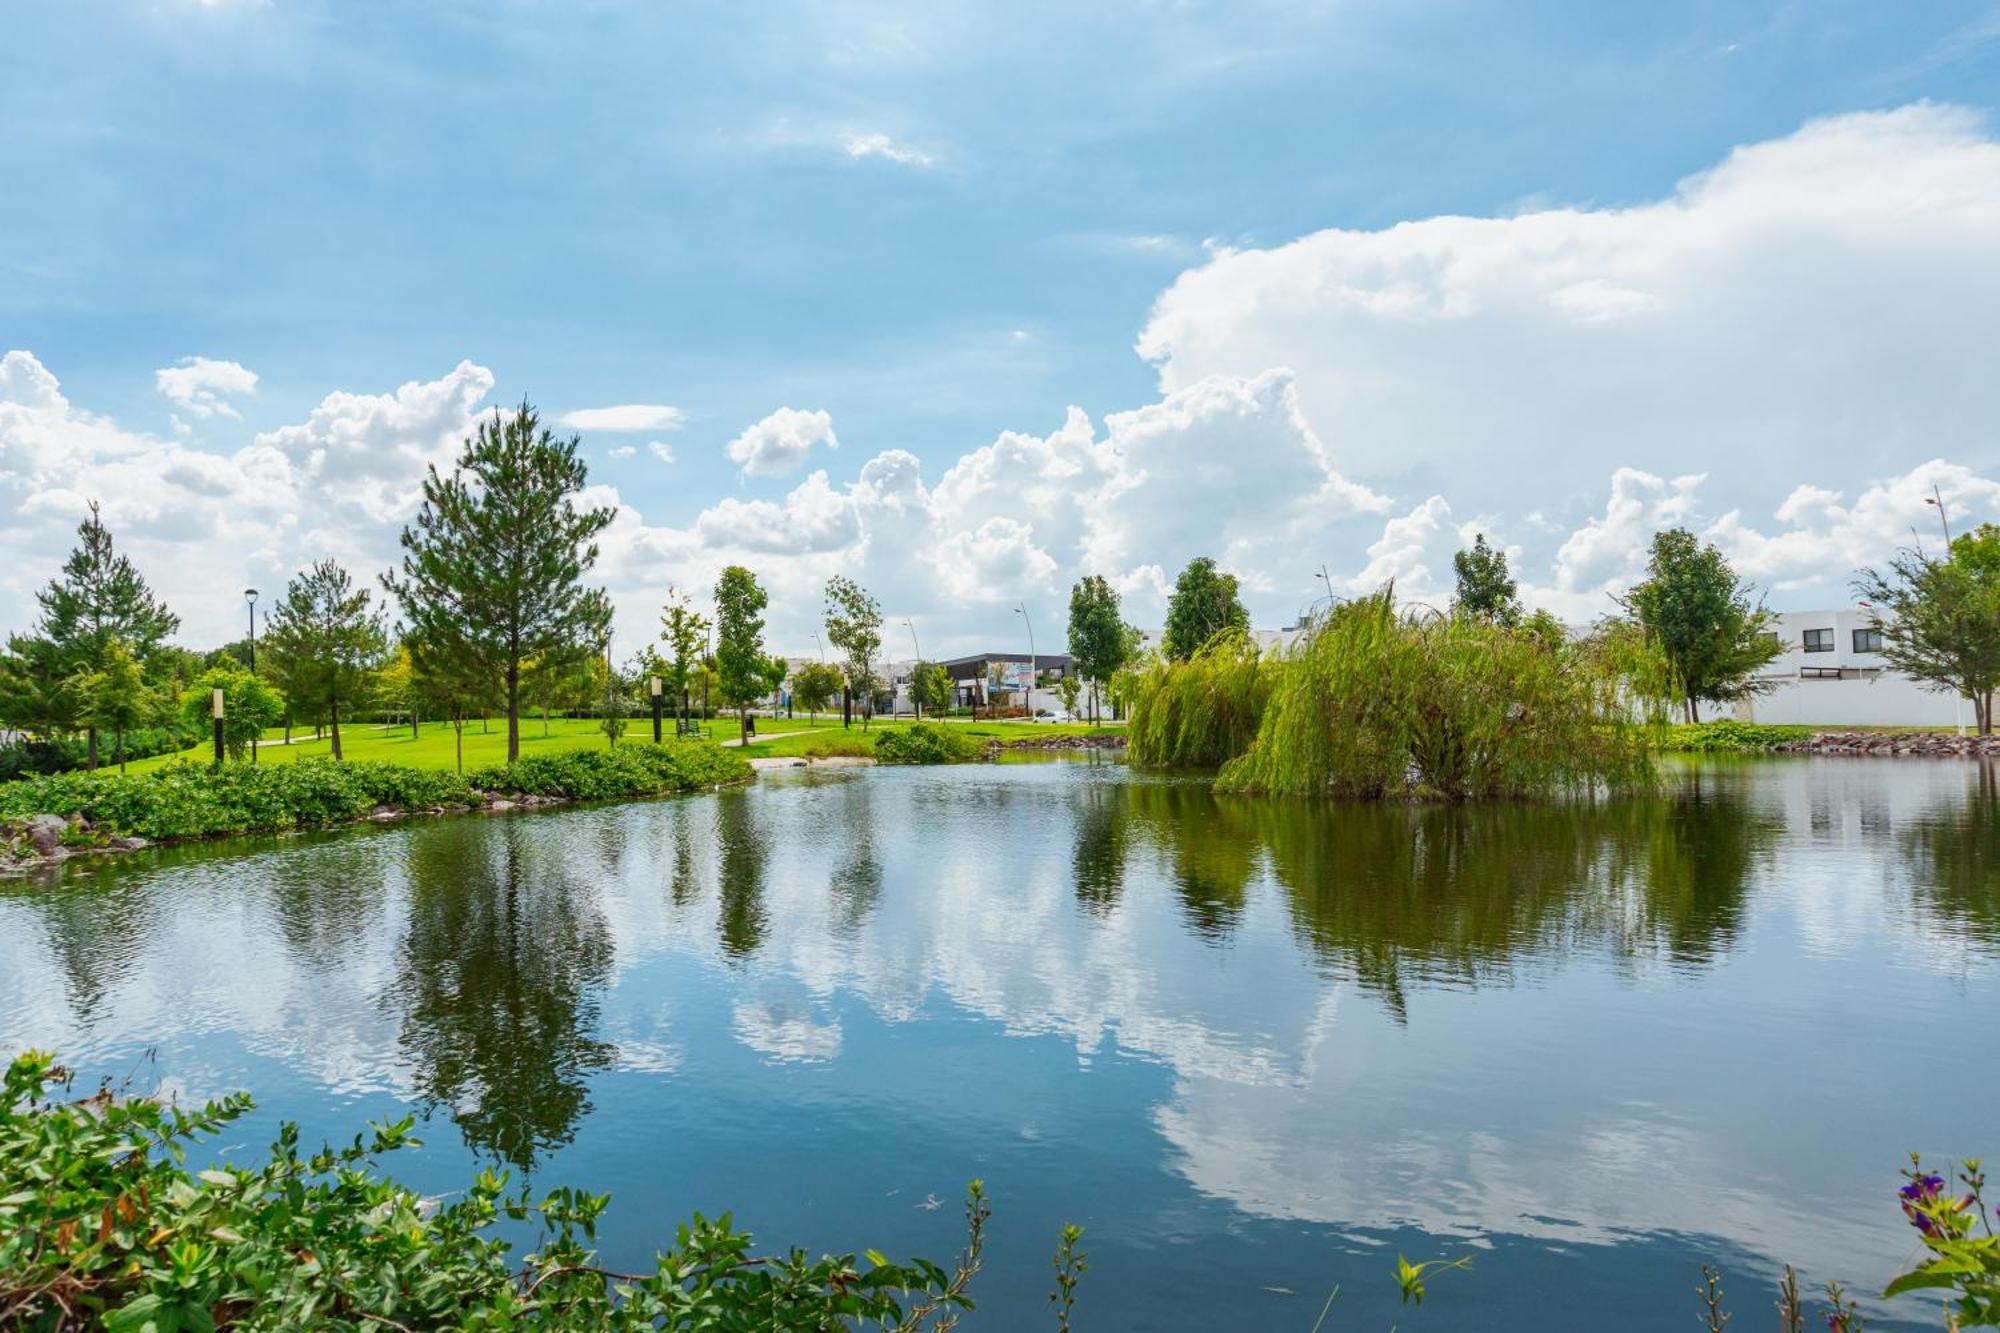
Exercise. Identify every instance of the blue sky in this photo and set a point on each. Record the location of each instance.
(933, 222)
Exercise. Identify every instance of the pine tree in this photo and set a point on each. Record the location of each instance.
(493, 566)
(99, 598)
(327, 640)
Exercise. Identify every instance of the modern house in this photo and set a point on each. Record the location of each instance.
(989, 679)
(1832, 674)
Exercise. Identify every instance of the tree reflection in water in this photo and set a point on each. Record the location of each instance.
(741, 854)
(503, 960)
(1398, 894)
(1952, 850)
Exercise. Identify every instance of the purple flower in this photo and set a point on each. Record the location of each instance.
(1923, 1189)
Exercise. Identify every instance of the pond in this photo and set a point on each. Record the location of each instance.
(1255, 1049)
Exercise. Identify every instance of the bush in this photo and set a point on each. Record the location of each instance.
(101, 1225)
(62, 754)
(192, 801)
(927, 743)
(630, 770)
(1727, 737)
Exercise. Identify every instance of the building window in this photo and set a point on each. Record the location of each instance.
(1819, 640)
(1868, 641)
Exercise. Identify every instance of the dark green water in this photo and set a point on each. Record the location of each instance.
(1256, 1050)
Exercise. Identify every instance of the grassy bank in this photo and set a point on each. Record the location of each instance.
(189, 801)
(1728, 737)
(793, 740)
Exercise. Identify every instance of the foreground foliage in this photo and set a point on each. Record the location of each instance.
(190, 801)
(102, 1225)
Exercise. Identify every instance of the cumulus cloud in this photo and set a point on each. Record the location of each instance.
(876, 144)
(779, 444)
(622, 451)
(200, 386)
(661, 450)
(1805, 309)
(626, 416)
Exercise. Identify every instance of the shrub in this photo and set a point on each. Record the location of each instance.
(927, 743)
(192, 801)
(1728, 737)
(102, 1225)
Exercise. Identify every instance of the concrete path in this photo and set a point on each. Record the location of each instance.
(767, 736)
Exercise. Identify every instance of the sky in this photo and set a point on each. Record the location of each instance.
(970, 300)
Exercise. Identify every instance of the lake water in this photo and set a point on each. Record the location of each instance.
(1256, 1050)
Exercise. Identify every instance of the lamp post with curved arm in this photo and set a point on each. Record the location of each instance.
(1028, 695)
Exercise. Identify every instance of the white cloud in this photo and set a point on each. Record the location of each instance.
(622, 451)
(1811, 306)
(778, 445)
(198, 385)
(661, 450)
(626, 416)
(876, 144)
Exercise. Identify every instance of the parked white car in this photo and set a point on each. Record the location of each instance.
(1059, 715)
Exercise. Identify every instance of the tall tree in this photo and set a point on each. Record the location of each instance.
(739, 641)
(684, 631)
(493, 566)
(1715, 634)
(1940, 619)
(328, 640)
(116, 697)
(1204, 603)
(854, 628)
(99, 597)
(1098, 643)
(1485, 587)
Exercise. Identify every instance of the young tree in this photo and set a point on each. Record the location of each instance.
(116, 698)
(854, 628)
(493, 566)
(249, 705)
(1714, 636)
(814, 686)
(684, 631)
(775, 671)
(1942, 621)
(328, 641)
(1485, 588)
(396, 687)
(450, 684)
(1068, 688)
(1203, 604)
(930, 688)
(739, 641)
(1099, 644)
(99, 598)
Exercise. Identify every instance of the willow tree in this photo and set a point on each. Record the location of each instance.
(493, 566)
(329, 641)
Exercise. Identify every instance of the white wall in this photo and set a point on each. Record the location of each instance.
(1866, 694)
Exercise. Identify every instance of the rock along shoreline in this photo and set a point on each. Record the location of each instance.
(1895, 744)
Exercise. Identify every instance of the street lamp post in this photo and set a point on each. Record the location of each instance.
(1028, 696)
(250, 597)
(1936, 497)
(215, 706)
(916, 702)
(658, 704)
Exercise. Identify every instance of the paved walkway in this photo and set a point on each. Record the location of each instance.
(766, 736)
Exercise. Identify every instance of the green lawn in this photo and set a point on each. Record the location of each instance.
(434, 748)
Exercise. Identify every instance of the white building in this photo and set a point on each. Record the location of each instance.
(1832, 675)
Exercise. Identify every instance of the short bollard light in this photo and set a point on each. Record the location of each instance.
(215, 706)
(654, 685)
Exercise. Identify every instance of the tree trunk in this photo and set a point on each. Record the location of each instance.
(513, 711)
(415, 726)
(333, 722)
(743, 724)
(458, 728)
(90, 734)
(119, 743)
(545, 721)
